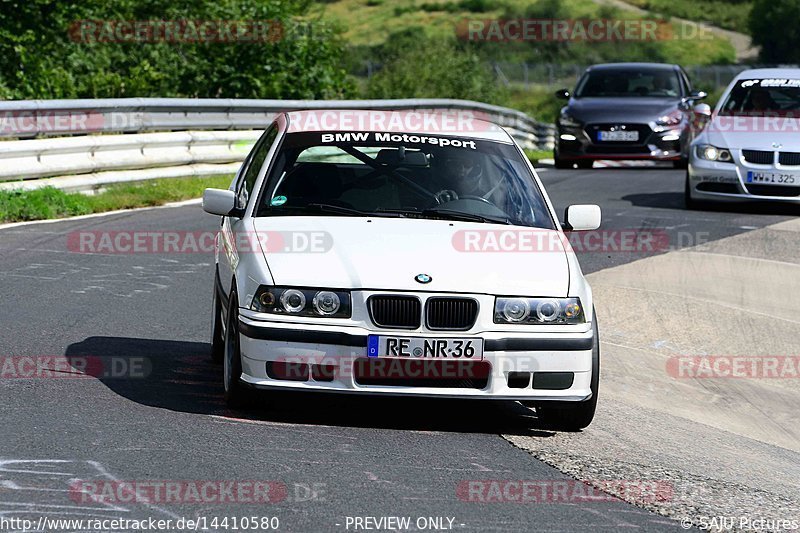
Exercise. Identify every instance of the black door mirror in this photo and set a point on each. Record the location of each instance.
(563, 94)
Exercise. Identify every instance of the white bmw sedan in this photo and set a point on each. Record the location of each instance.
(400, 253)
(750, 149)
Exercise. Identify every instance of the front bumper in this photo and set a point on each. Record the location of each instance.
(661, 145)
(559, 365)
(726, 182)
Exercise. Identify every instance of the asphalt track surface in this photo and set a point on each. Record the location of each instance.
(362, 456)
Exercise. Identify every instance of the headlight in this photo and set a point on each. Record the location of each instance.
(712, 153)
(516, 310)
(538, 311)
(293, 301)
(327, 303)
(566, 120)
(301, 302)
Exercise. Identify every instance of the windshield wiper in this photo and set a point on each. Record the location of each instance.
(447, 214)
(467, 217)
(336, 209)
(399, 211)
(329, 208)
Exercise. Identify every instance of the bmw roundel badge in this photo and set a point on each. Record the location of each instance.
(423, 278)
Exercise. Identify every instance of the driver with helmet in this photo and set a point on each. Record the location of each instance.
(464, 177)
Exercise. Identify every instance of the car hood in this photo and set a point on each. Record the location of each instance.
(622, 110)
(755, 133)
(388, 253)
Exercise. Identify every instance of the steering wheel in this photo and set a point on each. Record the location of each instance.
(476, 197)
(445, 195)
(449, 195)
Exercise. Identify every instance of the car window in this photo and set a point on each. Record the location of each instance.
(629, 82)
(409, 174)
(332, 154)
(763, 96)
(686, 82)
(254, 164)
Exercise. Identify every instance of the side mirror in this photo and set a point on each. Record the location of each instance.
(582, 217)
(697, 95)
(563, 94)
(220, 202)
(703, 110)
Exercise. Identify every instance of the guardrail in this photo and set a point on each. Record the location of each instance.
(45, 152)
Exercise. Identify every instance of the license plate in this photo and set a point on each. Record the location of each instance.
(424, 347)
(773, 178)
(617, 135)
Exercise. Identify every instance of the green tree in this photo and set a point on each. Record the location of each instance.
(43, 53)
(773, 25)
(414, 65)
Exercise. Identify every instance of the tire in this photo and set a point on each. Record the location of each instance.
(237, 394)
(217, 332)
(574, 416)
(585, 163)
(562, 164)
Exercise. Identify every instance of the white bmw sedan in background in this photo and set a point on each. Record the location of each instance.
(750, 149)
(400, 253)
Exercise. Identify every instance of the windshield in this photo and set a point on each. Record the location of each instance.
(763, 97)
(409, 175)
(629, 82)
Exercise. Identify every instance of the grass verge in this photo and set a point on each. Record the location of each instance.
(728, 14)
(49, 202)
(370, 23)
(537, 155)
(537, 102)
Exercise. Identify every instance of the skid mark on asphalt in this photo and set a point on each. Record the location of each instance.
(138, 279)
(617, 522)
(108, 475)
(24, 483)
(372, 477)
(55, 270)
(284, 425)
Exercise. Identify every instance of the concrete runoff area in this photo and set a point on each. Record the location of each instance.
(729, 444)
